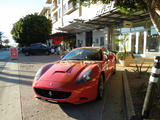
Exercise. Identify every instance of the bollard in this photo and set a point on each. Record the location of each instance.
(152, 86)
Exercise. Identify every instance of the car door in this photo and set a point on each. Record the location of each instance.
(36, 49)
(106, 64)
(43, 49)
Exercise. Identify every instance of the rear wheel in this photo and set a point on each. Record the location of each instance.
(100, 91)
(47, 52)
(26, 53)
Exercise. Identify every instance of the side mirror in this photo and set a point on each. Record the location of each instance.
(61, 56)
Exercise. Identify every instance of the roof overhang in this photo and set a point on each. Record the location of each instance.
(110, 19)
(62, 34)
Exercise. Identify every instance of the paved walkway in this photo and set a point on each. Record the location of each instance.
(10, 107)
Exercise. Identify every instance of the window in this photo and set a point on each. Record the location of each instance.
(59, 12)
(153, 40)
(96, 41)
(70, 4)
(64, 8)
(101, 41)
(59, 1)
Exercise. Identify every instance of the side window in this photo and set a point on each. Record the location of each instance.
(43, 47)
(106, 53)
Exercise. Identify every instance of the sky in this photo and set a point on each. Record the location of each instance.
(12, 10)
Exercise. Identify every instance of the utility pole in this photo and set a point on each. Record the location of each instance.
(152, 87)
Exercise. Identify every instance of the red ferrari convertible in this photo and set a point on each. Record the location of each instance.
(77, 78)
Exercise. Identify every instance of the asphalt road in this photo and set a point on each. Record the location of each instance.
(5, 54)
(17, 100)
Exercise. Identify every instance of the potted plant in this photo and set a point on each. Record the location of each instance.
(125, 58)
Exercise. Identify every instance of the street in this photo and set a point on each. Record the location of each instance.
(4, 54)
(17, 100)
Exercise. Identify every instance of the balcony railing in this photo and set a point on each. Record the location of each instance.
(54, 5)
(54, 17)
(71, 7)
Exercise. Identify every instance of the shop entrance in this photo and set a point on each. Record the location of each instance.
(89, 38)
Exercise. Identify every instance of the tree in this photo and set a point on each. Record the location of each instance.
(131, 6)
(32, 28)
(6, 41)
(1, 38)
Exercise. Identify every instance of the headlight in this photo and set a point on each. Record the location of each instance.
(85, 77)
(38, 74)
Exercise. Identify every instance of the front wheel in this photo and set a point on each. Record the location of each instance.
(114, 72)
(100, 91)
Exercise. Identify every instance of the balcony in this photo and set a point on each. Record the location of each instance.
(71, 7)
(54, 5)
(55, 17)
(48, 1)
(44, 10)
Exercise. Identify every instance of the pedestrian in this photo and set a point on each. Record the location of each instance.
(52, 50)
(58, 50)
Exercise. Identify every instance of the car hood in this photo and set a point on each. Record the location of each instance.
(64, 73)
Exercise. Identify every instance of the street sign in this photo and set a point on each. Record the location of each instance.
(13, 52)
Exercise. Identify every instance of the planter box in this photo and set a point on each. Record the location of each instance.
(127, 61)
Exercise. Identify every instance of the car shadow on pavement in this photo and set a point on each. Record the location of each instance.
(87, 111)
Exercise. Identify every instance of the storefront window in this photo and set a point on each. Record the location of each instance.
(153, 40)
(102, 41)
(140, 28)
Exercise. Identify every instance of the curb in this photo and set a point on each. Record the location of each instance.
(128, 103)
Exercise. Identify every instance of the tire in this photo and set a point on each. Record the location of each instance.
(47, 53)
(114, 72)
(26, 53)
(100, 91)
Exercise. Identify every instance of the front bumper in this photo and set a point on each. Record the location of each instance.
(77, 96)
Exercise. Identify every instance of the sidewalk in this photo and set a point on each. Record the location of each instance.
(10, 107)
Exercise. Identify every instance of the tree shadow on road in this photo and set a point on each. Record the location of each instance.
(16, 75)
(16, 80)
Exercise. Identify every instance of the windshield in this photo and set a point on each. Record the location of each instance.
(84, 54)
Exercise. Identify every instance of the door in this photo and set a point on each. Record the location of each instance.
(107, 64)
(89, 38)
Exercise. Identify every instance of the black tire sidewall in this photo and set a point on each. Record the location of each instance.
(26, 53)
(101, 79)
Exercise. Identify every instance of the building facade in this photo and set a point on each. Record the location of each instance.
(101, 25)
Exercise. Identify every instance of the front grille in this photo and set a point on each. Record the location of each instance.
(52, 94)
